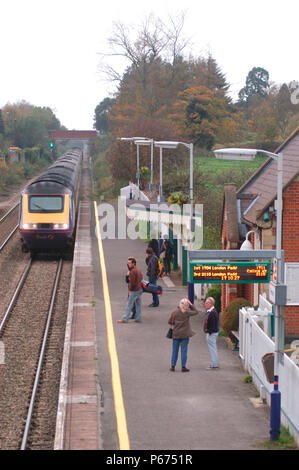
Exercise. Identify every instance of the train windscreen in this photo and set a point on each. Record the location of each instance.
(45, 203)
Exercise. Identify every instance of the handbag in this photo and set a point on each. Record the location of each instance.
(170, 331)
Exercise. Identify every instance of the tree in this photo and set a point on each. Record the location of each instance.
(206, 72)
(257, 83)
(101, 120)
(199, 112)
(122, 155)
(155, 70)
(153, 39)
(2, 129)
(27, 125)
(285, 109)
(264, 124)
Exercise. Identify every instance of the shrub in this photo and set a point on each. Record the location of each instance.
(215, 292)
(3, 174)
(230, 316)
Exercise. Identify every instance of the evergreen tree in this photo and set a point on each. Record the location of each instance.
(206, 73)
(2, 128)
(257, 85)
(101, 121)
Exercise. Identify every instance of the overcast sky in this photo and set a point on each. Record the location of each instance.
(49, 49)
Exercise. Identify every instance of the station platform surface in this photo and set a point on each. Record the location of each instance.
(117, 391)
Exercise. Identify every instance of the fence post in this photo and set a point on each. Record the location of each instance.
(184, 265)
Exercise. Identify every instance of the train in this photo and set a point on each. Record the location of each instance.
(49, 205)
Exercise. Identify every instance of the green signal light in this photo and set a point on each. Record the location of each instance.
(51, 145)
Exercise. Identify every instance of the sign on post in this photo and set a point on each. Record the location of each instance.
(230, 272)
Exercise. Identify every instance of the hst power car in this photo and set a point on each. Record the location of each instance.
(48, 206)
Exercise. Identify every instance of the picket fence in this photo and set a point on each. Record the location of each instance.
(254, 342)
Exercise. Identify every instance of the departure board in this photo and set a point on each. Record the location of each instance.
(243, 272)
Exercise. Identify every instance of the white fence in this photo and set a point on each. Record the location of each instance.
(254, 343)
(133, 192)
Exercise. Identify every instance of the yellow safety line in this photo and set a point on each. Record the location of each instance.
(122, 430)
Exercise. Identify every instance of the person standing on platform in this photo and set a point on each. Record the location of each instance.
(135, 291)
(167, 254)
(154, 245)
(132, 317)
(152, 265)
(211, 328)
(181, 333)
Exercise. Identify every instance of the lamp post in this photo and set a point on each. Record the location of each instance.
(246, 245)
(279, 287)
(174, 145)
(134, 139)
(150, 142)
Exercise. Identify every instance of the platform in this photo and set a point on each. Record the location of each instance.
(211, 409)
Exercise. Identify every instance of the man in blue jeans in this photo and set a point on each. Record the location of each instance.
(135, 291)
(211, 328)
(152, 265)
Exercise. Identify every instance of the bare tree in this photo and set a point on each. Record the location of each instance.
(153, 41)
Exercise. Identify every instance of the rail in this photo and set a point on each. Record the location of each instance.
(41, 358)
(9, 212)
(14, 229)
(15, 296)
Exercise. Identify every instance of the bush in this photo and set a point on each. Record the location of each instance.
(230, 316)
(215, 292)
(32, 155)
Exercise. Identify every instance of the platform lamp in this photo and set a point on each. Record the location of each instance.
(173, 145)
(277, 287)
(146, 141)
(246, 245)
(134, 139)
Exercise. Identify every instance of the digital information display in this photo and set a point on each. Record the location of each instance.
(243, 272)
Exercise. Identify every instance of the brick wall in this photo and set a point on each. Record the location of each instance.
(230, 292)
(290, 244)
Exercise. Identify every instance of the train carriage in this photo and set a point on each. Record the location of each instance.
(49, 204)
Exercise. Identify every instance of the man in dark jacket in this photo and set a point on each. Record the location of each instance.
(154, 245)
(152, 265)
(211, 328)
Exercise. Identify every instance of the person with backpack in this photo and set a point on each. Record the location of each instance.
(152, 266)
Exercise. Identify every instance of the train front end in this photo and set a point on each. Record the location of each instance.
(46, 218)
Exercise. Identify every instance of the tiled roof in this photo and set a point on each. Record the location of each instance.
(263, 182)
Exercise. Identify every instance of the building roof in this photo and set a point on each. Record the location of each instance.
(263, 183)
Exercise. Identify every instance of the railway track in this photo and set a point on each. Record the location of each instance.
(8, 225)
(32, 331)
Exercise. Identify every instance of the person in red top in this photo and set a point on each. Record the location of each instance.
(135, 291)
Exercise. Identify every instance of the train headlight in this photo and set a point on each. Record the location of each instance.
(60, 226)
(27, 226)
